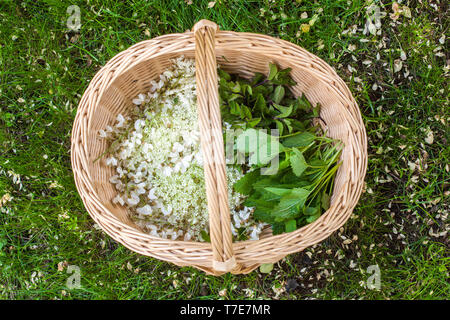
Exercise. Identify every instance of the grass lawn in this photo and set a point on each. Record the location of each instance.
(398, 75)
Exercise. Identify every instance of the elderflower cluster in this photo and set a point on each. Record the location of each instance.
(158, 162)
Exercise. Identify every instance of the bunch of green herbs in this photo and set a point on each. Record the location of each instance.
(298, 191)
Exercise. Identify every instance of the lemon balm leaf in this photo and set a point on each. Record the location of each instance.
(278, 94)
(302, 139)
(273, 70)
(298, 162)
(290, 225)
(290, 204)
(245, 184)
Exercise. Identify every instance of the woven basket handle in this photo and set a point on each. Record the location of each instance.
(210, 125)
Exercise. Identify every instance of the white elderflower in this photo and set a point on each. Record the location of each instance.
(255, 233)
(140, 188)
(138, 125)
(183, 163)
(111, 161)
(233, 230)
(141, 98)
(109, 129)
(114, 179)
(146, 148)
(151, 194)
(158, 162)
(190, 139)
(245, 213)
(167, 171)
(167, 210)
(102, 133)
(237, 220)
(120, 121)
(145, 210)
(199, 158)
(178, 147)
(118, 199)
(133, 200)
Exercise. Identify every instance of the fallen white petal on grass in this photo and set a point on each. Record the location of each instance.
(430, 137)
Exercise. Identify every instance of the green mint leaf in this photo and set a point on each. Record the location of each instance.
(286, 162)
(278, 94)
(316, 110)
(245, 112)
(302, 139)
(313, 218)
(298, 162)
(290, 205)
(277, 228)
(325, 201)
(280, 127)
(245, 184)
(263, 147)
(284, 111)
(205, 236)
(263, 183)
(288, 122)
(260, 104)
(236, 88)
(278, 191)
(290, 225)
(311, 211)
(263, 156)
(234, 96)
(284, 72)
(257, 78)
(234, 108)
(262, 213)
(249, 89)
(223, 74)
(297, 125)
(303, 104)
(269, 197)
(253, 122)
(273, 70)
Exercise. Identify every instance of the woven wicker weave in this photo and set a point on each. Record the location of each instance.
(129, 73)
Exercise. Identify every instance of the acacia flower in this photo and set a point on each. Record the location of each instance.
(158, 162)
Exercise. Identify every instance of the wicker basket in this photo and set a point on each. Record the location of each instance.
(129, 73)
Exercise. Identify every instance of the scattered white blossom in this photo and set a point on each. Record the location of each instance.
(430, 137)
